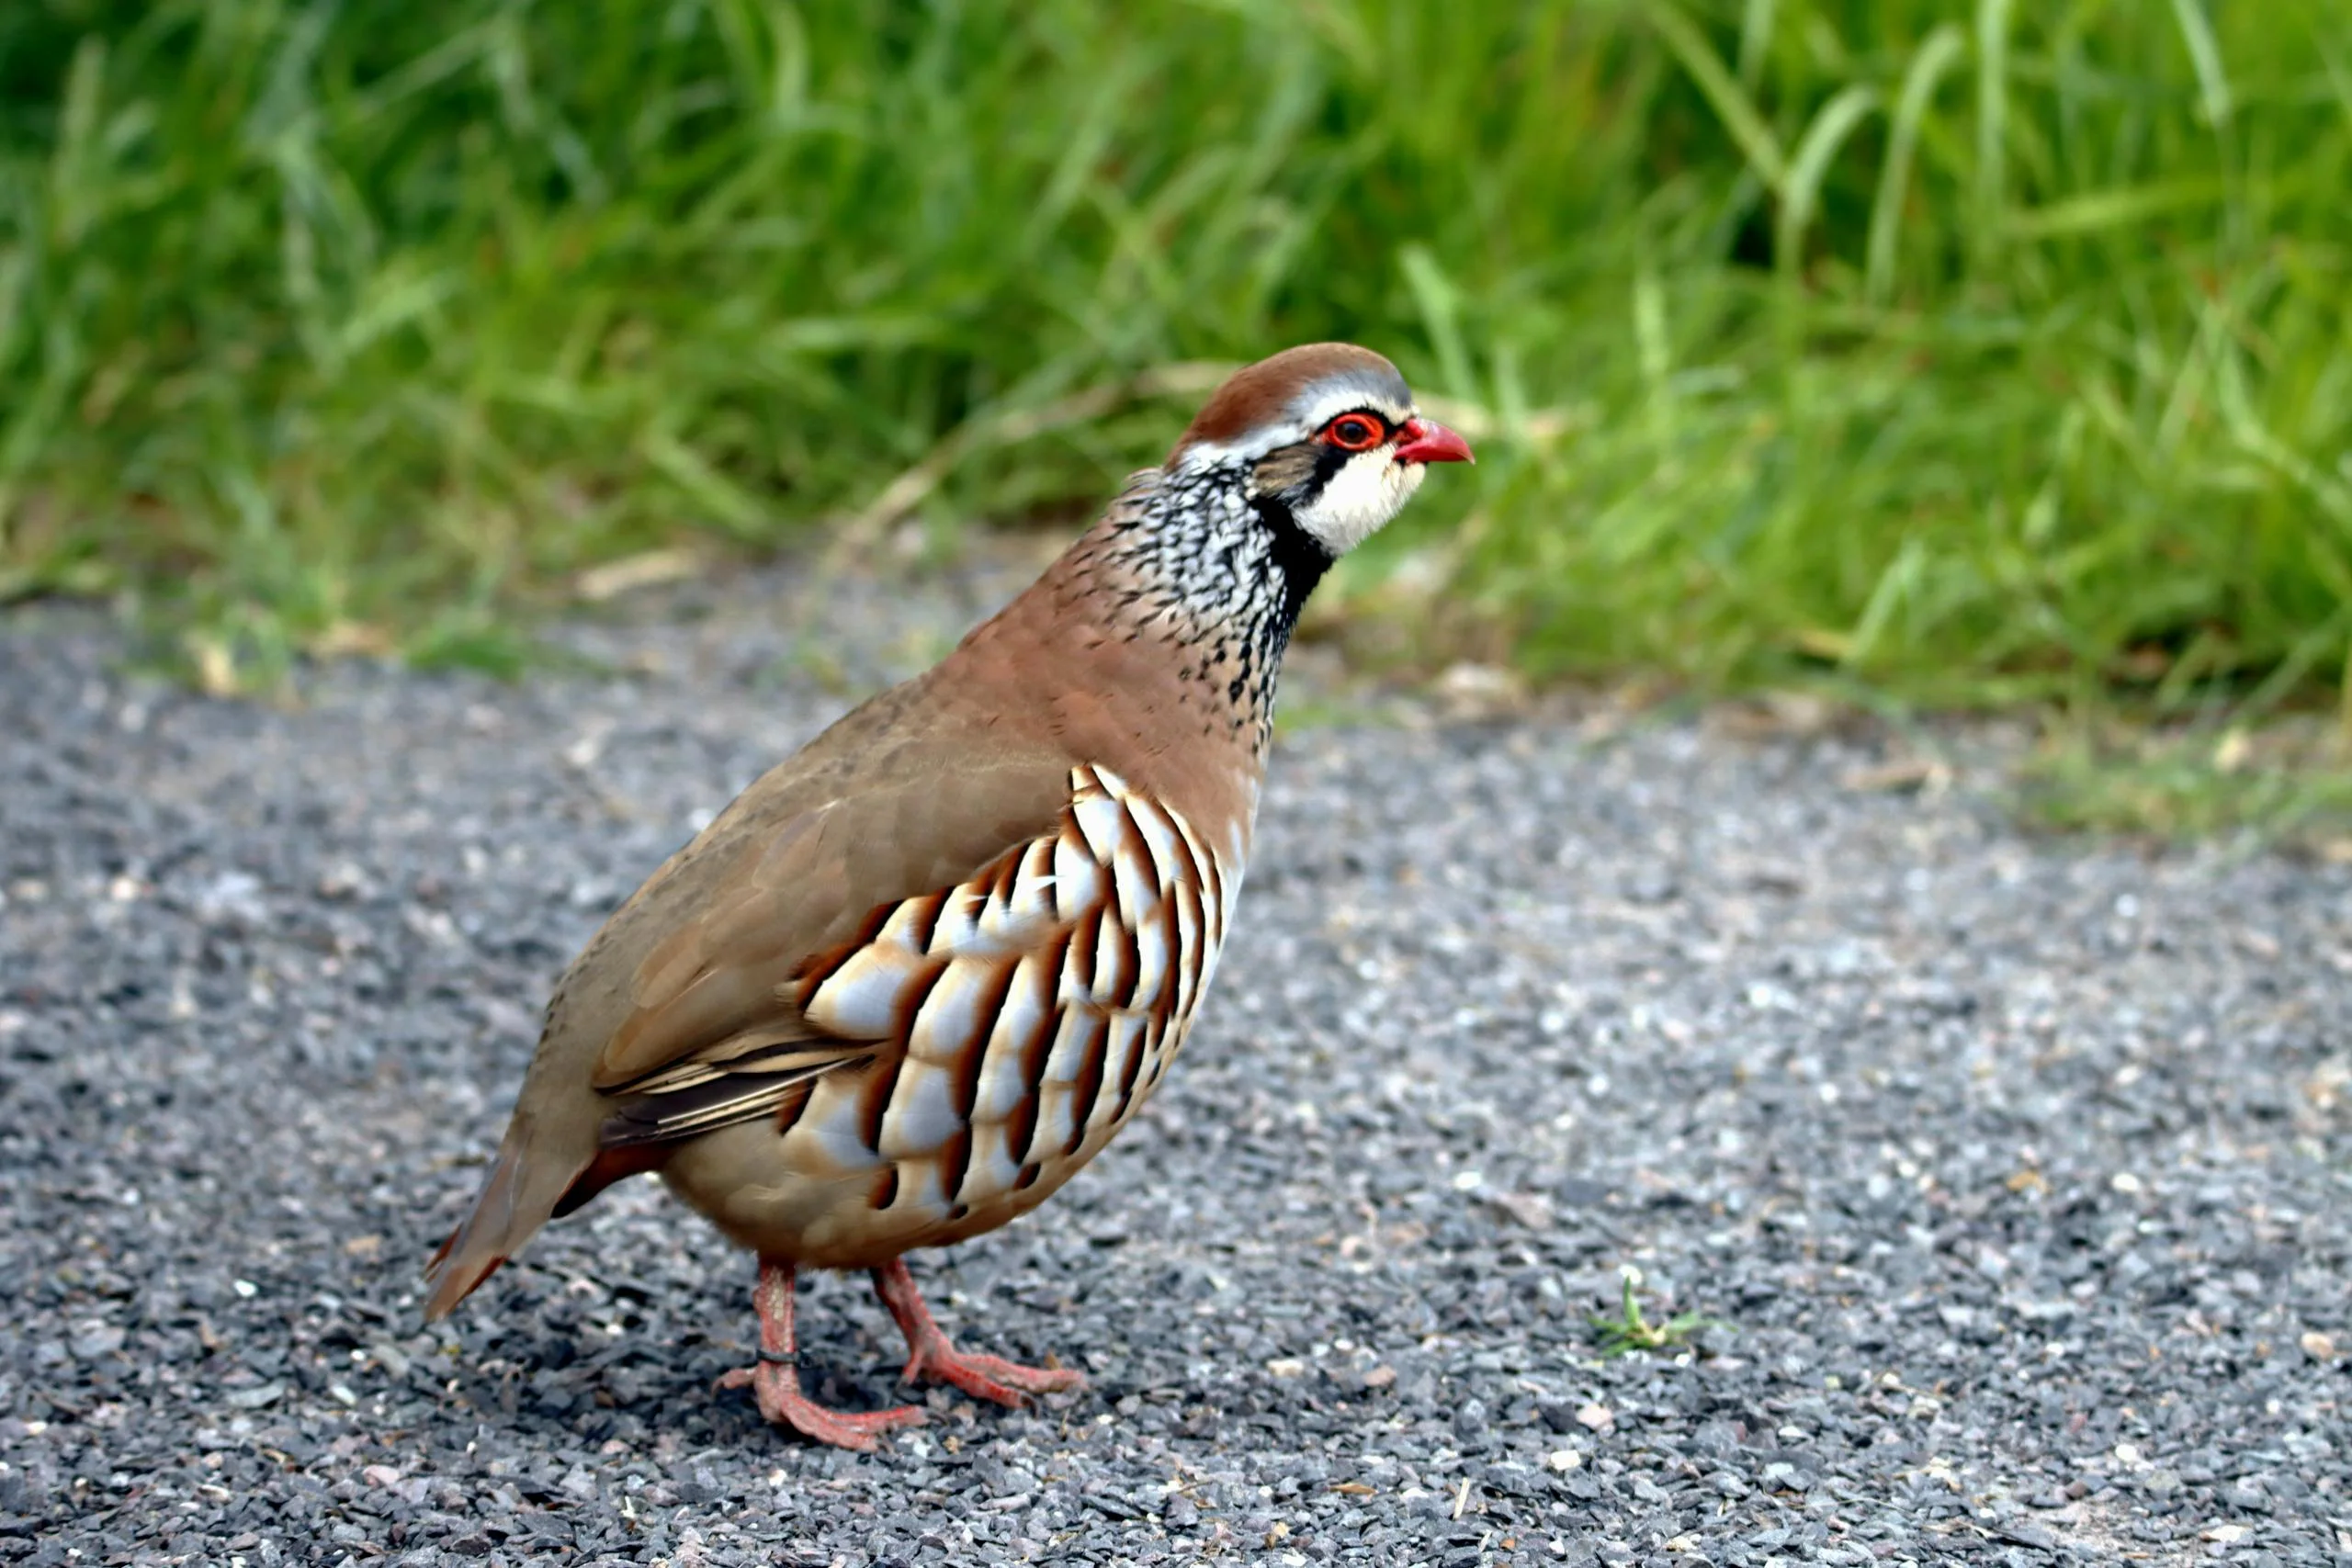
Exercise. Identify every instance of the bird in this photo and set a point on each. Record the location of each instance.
(917, 974)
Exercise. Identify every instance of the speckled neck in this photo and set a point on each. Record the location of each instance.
(1193, 557)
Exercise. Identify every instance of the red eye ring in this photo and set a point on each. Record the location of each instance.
(1355, 431)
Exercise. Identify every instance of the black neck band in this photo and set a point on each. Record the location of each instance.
(1298, 556)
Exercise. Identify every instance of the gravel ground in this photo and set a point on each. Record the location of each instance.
(2019, 1172)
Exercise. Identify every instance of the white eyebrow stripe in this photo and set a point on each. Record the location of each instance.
(1311, 415)
(1334, 401)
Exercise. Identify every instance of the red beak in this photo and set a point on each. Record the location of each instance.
(1427, 441)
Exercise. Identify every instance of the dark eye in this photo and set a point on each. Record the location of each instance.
(1355, 431)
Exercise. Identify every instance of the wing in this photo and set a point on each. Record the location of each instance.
(951, 994)
(705, 970)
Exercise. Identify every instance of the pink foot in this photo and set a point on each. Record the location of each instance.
(928, 1354)
(777, 1389)
(987, 1377)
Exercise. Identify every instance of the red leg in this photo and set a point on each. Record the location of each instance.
(930, 1355)
(776, 1380)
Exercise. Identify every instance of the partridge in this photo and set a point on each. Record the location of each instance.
(917, 976)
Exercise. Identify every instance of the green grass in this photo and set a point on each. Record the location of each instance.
(1628, 1329)
(1964, 354)
(2282, 783)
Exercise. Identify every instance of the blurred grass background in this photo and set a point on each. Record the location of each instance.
(1961, 353)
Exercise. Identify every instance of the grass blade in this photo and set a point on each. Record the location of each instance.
(1938, 52)
(1724, 94)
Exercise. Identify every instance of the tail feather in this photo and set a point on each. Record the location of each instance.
(515, 1201)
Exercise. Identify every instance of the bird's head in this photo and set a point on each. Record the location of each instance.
(1326, 434)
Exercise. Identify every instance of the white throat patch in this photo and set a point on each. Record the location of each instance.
(1370, 489)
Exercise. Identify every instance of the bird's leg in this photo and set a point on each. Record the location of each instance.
(928, 1354)
(776, 1380)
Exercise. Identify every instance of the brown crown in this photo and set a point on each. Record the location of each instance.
(1261, 393)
